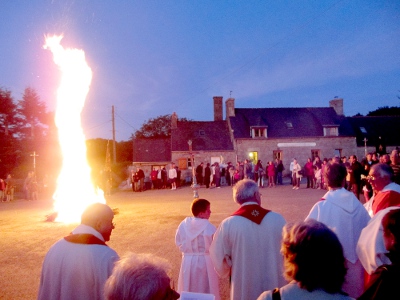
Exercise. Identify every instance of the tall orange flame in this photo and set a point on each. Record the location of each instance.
(74, 191)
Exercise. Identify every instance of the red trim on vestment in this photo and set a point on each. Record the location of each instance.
(253, 212)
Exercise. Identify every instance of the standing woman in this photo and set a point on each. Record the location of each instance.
(296, 175)
(271, 174)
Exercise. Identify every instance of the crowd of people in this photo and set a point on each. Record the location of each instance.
(30, 188)
(342, 250)
(7, 187)
(158, 178)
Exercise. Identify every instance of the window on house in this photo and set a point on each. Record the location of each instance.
(338, 153)
(189, 163)
(253, 156)
(258, 132)
(331, 131)
(202, 132)
(182, 163)
(289, 125)
(277, 154)
(363, 130)
(315, 153)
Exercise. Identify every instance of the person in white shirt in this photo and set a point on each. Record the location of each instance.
(193, 238)
(342, 212)
(172, 176)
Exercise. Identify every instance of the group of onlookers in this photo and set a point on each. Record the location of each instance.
(342, 250)
(357, 172)
(327, 256)
(218, 175)
(158, 178)
(7, 187)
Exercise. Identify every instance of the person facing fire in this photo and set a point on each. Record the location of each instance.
(78, 265)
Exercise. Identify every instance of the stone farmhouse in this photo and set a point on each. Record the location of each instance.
(266, 134)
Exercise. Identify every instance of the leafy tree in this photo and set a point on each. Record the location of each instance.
(385, 111)
(33, 113)
(8, 113)
(157, 127)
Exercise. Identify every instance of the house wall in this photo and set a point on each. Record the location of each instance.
(299, 148)
(202, 157)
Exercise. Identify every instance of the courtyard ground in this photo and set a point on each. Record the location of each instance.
(146, 223)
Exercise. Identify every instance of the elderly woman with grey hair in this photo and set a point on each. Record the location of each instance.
(140, 277)
(314, 264)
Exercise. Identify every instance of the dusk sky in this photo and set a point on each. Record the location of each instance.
(152, 58)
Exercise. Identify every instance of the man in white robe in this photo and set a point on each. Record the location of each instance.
(193, 238)
(342, 212)
(247, 244)
(77, 266)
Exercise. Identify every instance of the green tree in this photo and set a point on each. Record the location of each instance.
(33, 114)
(8, 113)
(385, 111)
(157, 127)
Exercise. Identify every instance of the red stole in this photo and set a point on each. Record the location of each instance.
(84, 238)
(253, 212)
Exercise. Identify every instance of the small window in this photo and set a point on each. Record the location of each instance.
(202, 132)
(331, 131)
(277, 154)
(363, 130)
(289, 125)
(258, 132)
(315, 153)
(189, 163)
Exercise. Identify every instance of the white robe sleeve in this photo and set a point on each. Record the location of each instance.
(220, 253)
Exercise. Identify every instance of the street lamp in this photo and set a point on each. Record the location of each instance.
(195, 187)
(365, 146)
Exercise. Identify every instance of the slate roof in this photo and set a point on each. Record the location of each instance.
(205, 136)
(306, 122)
(386, 127)
(152, 150)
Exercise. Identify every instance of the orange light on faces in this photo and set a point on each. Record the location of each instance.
(74, 191)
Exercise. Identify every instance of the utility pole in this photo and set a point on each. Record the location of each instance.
(34, 161)
(113, 133)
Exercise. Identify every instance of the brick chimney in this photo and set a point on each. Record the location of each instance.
(230, 107)
(174, 120)
(218, 116)
(337, 105)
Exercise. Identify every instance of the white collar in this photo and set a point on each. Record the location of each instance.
(87, 229)
(249, 203)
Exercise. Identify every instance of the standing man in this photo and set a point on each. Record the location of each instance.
(77, 266)
(199, 174)
(395, 164)
(172, 176)
(246, 245)
(141, 179)
(355, 175)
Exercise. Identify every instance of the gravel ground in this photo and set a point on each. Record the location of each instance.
(146, 223)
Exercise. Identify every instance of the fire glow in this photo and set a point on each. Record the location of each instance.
(74, 191)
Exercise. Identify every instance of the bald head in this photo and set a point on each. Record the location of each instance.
(100, 217)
